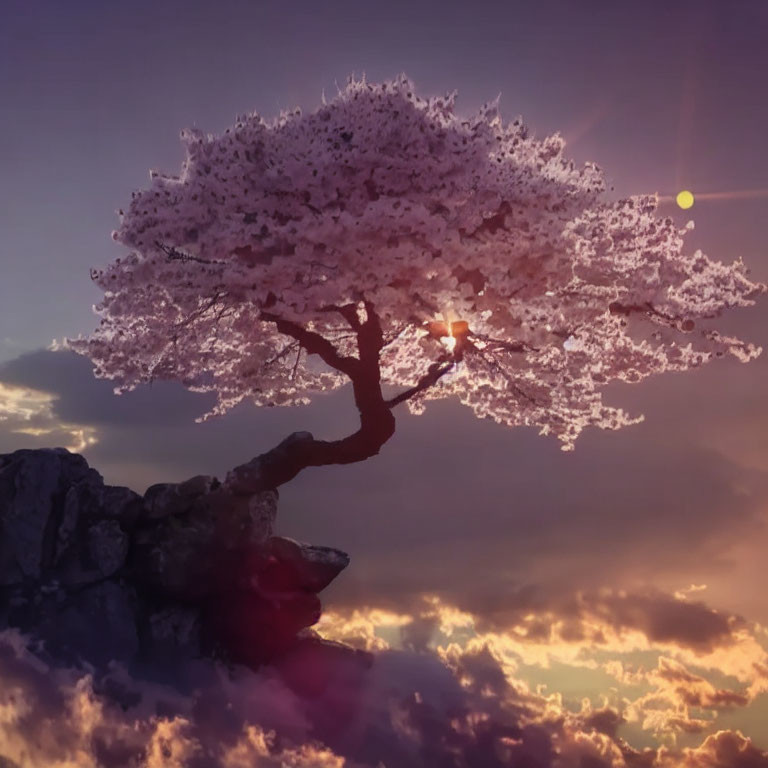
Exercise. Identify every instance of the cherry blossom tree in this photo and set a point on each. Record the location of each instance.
(384, 240)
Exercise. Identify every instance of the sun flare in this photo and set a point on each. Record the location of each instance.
(450, 339)
(685, 199)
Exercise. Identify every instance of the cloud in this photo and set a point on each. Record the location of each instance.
(451, 706)
(492, 518)
(619, 635)
(663, 618)
(145, 436)
(28, 417)
(511, 517)
(51, 716)
(725, 749)
(542, 627)
(80, 397)
(513, 540)
(693, 690)
(682, 702)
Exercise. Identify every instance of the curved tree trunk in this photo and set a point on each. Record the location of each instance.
(300, 450)
(377, 422)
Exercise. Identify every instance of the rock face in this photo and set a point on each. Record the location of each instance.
(99, 573)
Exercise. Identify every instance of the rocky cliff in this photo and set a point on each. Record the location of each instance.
(100, 573)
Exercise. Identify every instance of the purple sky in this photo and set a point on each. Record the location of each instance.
(664, 96)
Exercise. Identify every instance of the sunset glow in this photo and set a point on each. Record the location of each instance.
(450, 339)
(685, 199)
(31, 414)
(406, 414)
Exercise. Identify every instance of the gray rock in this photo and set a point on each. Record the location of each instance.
(314, 665)
(254, 476)
(107, 546)
(97, 623)
(295, 565)
(194, 551)
(49, 500)
(175, 631)
(68, 525)
(172, 556)
(99, 573)
(260, 520)
(163, 499)
(32, 489)
(121, 503)
(26, 501)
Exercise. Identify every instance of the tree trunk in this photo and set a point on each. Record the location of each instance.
(300, 450)
(377, 422)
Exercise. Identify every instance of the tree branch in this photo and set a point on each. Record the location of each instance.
(434, 373)
(377, 422)
(282, 353)
(314, 343)
(647, 308)
(300, 450)
(347, 311)
(509, 379)
(507, 346)
(174, 254)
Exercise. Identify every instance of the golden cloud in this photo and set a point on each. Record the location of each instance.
(610, 632)
(30, 413)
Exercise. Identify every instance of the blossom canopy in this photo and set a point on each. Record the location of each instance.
(382, 204)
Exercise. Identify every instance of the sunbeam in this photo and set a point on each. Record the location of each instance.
(734, 194)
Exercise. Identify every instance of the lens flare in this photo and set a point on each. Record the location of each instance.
(685, 199)
(450, 339)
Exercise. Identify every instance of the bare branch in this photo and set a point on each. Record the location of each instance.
(296, 364)
(282, 353)
(432, 376)
(174, 254)
(507, 346)
(513, 385)
(314, 343)
(200, 311)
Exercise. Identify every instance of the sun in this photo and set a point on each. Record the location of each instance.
(685, 199)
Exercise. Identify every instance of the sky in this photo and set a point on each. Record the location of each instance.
(624, 577)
